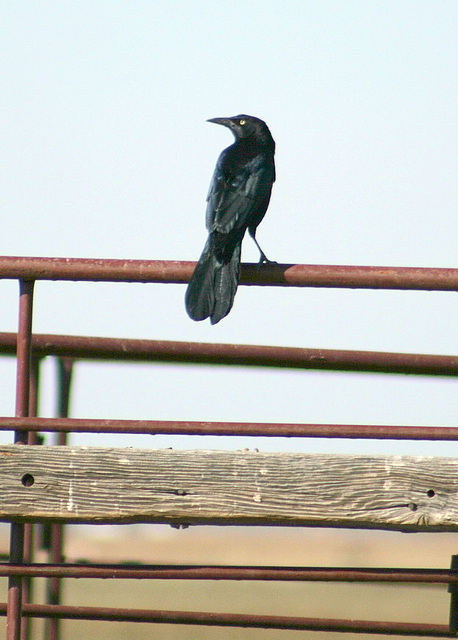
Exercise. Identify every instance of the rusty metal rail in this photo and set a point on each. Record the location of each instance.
(83, 347)
(272, 430)
(271, 274)
(234, 620)
(31, 349)
(226, 572)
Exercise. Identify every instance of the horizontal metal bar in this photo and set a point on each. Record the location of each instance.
(296, 275)
(232, 620)
(234, 354)
(169, 427)
(209, 572)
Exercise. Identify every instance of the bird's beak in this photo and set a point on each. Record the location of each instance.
(226, 122)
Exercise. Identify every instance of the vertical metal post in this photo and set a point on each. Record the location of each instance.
(63, 401)
(453, 590)
(24, 348)
(53, 589)
(29, 529)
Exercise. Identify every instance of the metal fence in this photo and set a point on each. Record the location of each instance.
(31, 349)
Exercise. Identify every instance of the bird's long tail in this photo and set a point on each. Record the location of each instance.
(211, 290)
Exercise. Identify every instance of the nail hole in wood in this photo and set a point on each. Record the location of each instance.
(27, 480)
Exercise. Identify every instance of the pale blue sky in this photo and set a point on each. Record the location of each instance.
(106, 153)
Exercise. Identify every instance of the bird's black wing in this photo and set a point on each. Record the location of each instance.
(235, 197)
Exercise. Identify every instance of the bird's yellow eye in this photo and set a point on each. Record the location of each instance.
(242, 121)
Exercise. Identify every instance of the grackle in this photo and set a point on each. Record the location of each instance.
(237, 200)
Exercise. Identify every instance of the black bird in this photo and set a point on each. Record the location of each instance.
(237, 200)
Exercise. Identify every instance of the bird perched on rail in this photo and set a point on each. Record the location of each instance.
(237, 200)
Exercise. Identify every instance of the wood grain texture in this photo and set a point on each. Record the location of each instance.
(104, 485)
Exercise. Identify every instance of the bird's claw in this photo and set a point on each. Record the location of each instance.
(265, 260)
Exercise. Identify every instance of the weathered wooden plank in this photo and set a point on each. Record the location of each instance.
(103, 485)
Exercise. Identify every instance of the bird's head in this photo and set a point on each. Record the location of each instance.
(243, 126)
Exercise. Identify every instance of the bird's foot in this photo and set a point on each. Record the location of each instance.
(265, 260)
